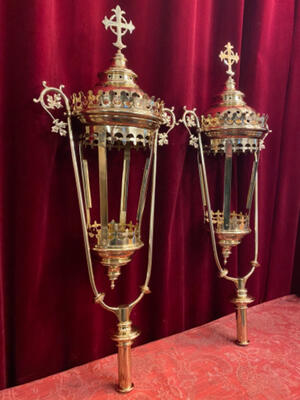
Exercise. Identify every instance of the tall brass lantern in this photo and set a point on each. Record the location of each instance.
(231, 129)
(116, 115)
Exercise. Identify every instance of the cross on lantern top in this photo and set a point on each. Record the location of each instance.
(118, 25)
(229, 58)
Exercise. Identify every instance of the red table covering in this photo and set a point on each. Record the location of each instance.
(201, 363)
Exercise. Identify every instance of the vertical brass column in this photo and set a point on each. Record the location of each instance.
(241, 303)
(124, 338)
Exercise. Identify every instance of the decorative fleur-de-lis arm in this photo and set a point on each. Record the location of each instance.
(169, 121)
(191, 120)
(51, 99)
(262, 141)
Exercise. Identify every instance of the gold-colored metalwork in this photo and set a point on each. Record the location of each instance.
(116, 114)
(229, 58)
(238, 227)
(118, 25)
(231, 127)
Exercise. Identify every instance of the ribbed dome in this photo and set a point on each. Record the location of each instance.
(231, 118)
(118, 99)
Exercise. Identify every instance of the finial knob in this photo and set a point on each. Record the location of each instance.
(118, 25)
(229, 58)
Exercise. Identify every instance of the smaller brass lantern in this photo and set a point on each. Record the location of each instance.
(116, 116)
(230, 129)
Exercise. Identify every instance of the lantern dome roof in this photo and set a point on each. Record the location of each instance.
(230, 116)
(117, 99)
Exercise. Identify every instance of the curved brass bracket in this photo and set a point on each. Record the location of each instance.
(54, 102)
(169, 120)
(191, 120)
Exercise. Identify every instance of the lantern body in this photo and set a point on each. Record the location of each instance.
(116, 116)
(230, 129)
(233, 130)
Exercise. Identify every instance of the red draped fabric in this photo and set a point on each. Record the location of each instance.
(48, 321)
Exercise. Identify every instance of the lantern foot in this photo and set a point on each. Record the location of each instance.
(241, 303)
(113, 273)
(226, 251)
(124, 338)
(114, 261)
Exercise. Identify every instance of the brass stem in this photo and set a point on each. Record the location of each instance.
(256, 213)
(143, 191)
(241, 303)
(102, 161)
(227, 184)
(124, 367)
(252, 183)
(200, 170)
(81, 208)
(85, 185)
(222, 271)
(124, 338)
(124, 188)
(241, 325)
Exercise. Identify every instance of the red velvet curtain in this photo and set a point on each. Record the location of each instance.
(48, 321)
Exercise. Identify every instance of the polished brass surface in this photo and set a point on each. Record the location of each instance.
(252, 183)
(117, 101)
(86, 186)
(124, 189)
(102, 162)
(231, 117)
(237, 228)
(227, 185)
(241, 302)
(118, 25)
(124, 338)
(118, 114)
(239, 145)
(230, 126)
(229, 58)
(115, 114)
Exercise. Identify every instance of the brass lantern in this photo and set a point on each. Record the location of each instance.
(116, 116)
(230, 129)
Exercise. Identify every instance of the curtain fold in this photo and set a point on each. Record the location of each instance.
(48, 321)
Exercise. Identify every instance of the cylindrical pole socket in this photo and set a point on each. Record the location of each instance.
(241, 303)
(241, 325)
(124, 338)
(124, 367)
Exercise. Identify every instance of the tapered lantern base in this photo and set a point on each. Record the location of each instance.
(241, 303)
(124, 337)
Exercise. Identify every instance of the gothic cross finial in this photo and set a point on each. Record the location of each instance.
(118, 25)
(229, 58)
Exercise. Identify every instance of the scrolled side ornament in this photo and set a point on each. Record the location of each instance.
(52, 98)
